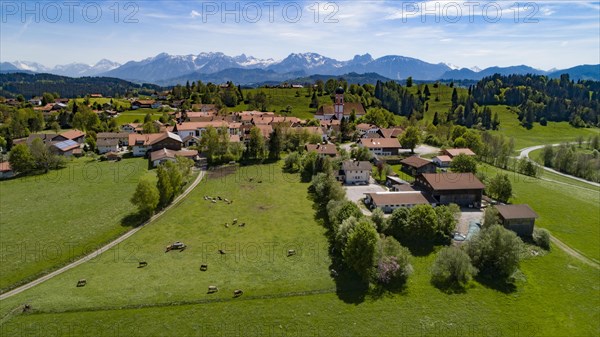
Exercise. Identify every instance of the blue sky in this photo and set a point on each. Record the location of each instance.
(544, 35)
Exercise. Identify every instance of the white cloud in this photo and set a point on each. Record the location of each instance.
(194, 14)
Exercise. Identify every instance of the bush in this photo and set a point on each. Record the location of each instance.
(495, 251)
(393, 267)
(541, 237)
(340, 210)
(452, 268)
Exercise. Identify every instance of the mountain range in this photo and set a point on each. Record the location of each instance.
(165, 69)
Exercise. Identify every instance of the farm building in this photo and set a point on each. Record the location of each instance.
(415, 165)
(463, 189)
(389, 201)
(442, 161)
(518, 218)
(142, 144)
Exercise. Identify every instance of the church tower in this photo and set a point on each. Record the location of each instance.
(338, 108)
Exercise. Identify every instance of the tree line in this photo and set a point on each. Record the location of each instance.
(542, 99)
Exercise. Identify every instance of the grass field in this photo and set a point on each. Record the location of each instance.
(279, 99)
(47, 220)
(571, 213)
(131, 116)
(286, 295)
(125, 104)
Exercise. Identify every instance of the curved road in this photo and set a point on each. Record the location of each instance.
(524, 153)
(105, 247)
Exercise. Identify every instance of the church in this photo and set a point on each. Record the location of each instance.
(340, 109)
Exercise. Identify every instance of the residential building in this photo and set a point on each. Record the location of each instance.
(356, 172)
(106, 145)
(442, 161)
(160, 156)
(5, 170)
(323, 150)
(381, 146)
(142, 144)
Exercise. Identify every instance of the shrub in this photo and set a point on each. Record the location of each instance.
(541, 237)
(452, 267)
(393, 266)
(495, 251)
(340, 210)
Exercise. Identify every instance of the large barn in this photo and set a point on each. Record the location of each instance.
(463, 189)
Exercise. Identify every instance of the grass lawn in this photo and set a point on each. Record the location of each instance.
(49, 219)
(572, 214)
(125, 104)
(286, 295)
(542, 305)
(130, 116)
(279, 99)
(278, 217)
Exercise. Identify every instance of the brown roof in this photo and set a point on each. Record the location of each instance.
(391, 133)
(110, 135)
(456, 152)
(415, 161)
(315, 130)
(107, 142)
(366, 127)
(151, 138)
(516, 212)
(443, 158)
(403, 188)
(265, 130)
(5, 167)
(385, 143)
(145, 102)
(166, 153)
(398, 198)
(72, 134)
(326, 149)
(453, 181)
(353, 165)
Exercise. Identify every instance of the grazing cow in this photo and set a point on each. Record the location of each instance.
(243, 224)
(26, 307)
(235, 221)
(214, 201)
(142, 264)
(212, 289)
(237, 293)
(291, 252)
(221, 251)
(204, 267)
(219, 198)
(82, 282)
(227, 225)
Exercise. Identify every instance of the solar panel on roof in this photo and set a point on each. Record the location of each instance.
(66, 144)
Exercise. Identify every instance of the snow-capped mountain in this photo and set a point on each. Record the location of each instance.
(475, 69)
(31, 66)
(71, 70)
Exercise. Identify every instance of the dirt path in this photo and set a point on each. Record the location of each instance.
(105, 247)
(574, 253)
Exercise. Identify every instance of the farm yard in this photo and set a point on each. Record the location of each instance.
(288, 294)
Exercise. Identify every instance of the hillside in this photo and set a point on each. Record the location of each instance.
(30, 85)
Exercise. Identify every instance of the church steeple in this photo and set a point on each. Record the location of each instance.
(339, 103)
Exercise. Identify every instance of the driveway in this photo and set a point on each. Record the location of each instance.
(357, 193)
(466, 216)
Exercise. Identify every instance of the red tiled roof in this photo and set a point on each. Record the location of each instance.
(386, 143)
(456, 152)
(72, 134)
(326, 149)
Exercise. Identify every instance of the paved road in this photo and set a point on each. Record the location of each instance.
(525, 154)
(104, 248)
